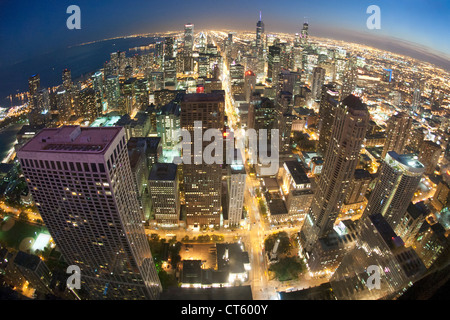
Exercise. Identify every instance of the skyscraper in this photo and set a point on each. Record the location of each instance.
(304, 34)
(260, 34)
(202, 182)
(81, 181)
(189, 38)
(341, 158)
(163, 183)
(350, 77)
(429, 153)
(397, 133)
(398, 180)
(327, 110)
(318, 78)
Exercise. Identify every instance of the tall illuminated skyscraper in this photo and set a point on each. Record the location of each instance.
(318, 78)
(304, 34)
(189, 38)
(341, 158)
(82, 184)
(327, 110)
(202, 182)
(398, 180)
(350, 77)
(397, 131)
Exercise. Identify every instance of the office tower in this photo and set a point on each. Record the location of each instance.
(274, 64)
(235, 194)
(170, 72)
(237, 78)
(341, 158)
(202, 182)
(168, 47)
(140, 170)
(202, 42)
(189, 38)
(89, 109)
(416, 138)
(441, 197)
(358, 187)
(431, 243)
(164, 191)
(304, 35)
(411, 222)
(81, 182)
(260, 35)
(397, 133)
(398, 179)
(350, 77)
(429, 153)
(380, 248)
(204, 66)
(34, 83)
(328, 106)
(249, 84)
(318, 78)
(67, 79)
(97, 85)
(168, 128)
(112, 89)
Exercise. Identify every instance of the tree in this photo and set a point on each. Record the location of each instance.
(287, 268)
(284, 246)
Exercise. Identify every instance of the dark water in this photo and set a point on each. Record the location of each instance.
(81, 60)
(8, 138)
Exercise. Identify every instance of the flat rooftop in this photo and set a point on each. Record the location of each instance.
(297, 171)
(204, 97)
(163, 171)
(72, 139)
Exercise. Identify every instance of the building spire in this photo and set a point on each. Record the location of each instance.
(259, 15)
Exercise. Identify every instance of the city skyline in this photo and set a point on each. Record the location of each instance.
(212, 163)
(399, 33)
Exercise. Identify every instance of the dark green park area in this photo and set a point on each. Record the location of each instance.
(19, 231)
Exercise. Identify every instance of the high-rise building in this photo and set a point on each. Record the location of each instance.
(189, 38)
(34, 83)
(318, 78)
(67, 79)
(249, 84)
(328, 106)
(397, 133)
(380, 248)
(350, 77)
(429, 153)
(168, 47)
(82, 184)
(202, 182)
(164, 190)
(235, 195)
(260, 35)
(397, 182)
(274, 64)
(304, 34)
(341, 159)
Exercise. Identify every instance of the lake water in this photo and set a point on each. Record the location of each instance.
(8, 138)
(81, 60)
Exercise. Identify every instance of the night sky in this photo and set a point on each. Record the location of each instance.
(416, 27)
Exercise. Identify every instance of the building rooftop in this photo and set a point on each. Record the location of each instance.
(26, 260)
(72, 139)
(297, 171)
(163, 171)
(203, 97)
(404, 162)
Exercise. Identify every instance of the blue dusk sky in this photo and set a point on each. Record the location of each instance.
(417, 28)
